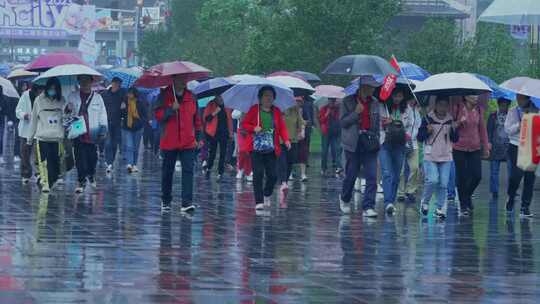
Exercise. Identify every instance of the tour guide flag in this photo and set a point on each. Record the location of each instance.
(389, 81)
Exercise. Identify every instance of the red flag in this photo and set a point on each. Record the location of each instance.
(395, 64)
(388, 86)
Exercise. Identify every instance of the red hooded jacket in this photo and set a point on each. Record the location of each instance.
(179, 129)
(252, 120)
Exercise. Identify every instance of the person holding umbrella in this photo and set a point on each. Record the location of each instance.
(88, 105)
(330, 134)
(498, 138)
(133, 115)
(265, 124)
(218, 128)
(46, 126)
(176, 112)
(113, 98)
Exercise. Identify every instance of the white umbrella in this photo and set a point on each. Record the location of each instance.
(21, 73)
(324, 92)
(244, 94)
(523, 85)
(300, 87)
(452, 84)
(513, 12)
(8, 88)
(66, 73)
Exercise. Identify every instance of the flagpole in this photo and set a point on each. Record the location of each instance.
(408, 83)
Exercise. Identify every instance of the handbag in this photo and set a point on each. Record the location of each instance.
(369, 141)
(76, 127)
(263, 142)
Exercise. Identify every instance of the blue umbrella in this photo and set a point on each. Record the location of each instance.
(413, 72)
(498, 92)
(127, 75)
(355, 84)
(244, 95)
(213, 87)
(4, 70)
(203, 102)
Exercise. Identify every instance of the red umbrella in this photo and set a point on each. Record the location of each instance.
(162, 74)
(48, 61)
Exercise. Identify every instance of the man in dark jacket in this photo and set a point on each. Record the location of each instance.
(498, 138)
(113, 99)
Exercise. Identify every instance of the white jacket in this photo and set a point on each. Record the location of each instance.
(97, 113)
(47, 117)
(412, 119)
(24, 107)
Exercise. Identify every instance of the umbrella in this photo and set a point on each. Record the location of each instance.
(244, 95)
(329, 91)
(524, 86)
(203, 102)
(412, 71)
(357, 65)
(242, 77)
(161, 75)
(20, 73)
(299, 86)
(285, 73)
(66, 73)
(8, 89)
(515, 12)
(498, 92)
(47, 61)
(4, 70)
(307, 76)
(452, 84)
(127, 75)
(213, 87)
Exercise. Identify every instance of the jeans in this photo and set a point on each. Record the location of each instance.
(114, 140)
(85, 160)
(2, 127)
(187, 158)
(213, 143)
(436, 181)
(132, 141)
(468, 175)
(330, 143)
(49, 162)
(516, 175)
(148, 136)
(391, 158)
(368, 162)
(264, 164)
(409, 183)
(495, 166)
(285, 162)
(452, 181)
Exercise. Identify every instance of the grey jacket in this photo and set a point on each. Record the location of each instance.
(350, 121)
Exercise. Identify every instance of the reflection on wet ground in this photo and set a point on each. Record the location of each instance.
(113, 245)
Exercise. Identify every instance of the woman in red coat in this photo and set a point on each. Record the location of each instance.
(266, 126)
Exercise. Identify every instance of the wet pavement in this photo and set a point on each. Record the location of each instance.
(113, 245)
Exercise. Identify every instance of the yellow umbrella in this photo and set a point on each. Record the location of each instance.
(21, 73)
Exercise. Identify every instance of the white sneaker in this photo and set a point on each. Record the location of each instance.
(188, 208)
(344, 207)
(249, 178)
(284, 187)
(25, 181)
(165, 208)
(45, 189)
(79, 189)
(380, 189)
(178, 164)
(92, 182)
(2, 161)
(240, 174)
(60, 181)
(129, 169)
(135, 169)
(259, 207)
(304, 178)
(390, 209)
(16, 159)
(109, 169)
(267, 202)
(440, 214)
(369, 213)
(358, 185)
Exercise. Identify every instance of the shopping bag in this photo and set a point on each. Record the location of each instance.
(529, 141)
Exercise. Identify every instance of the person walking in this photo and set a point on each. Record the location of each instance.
(134, 115)
(295, 129)
(469, 149)
(411, 172)
(243, 158)
(512, 126)
(361, 118)
(330, 134)
(46, 126)
(113, 98)
(438, 132)
(306, 103)
(181, 125)
(218, 128)
(265, 124)
(498, 138)
(87, 105)
(24, 114)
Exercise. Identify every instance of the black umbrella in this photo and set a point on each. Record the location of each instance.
(357, 65)
(309, 77)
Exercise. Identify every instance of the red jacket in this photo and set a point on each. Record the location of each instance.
(210, 127)
(252, 120)
(179, 129)
(324, 120)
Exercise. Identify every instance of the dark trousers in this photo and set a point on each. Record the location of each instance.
(353, 162)
(330, 144)
(2, 127)
(516, 175)
(148, 136)
(85, 160)
(213, 143)
(49, 161)
(187, 158)
(264, 164)
(114, 140)
(17, 141)
(155, 140)
(286, 160)
(26, 159)
(468, 175)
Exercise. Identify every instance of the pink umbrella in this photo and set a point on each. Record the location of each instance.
(162, 74)
(48, 61)
(285, 73)
(329, 91)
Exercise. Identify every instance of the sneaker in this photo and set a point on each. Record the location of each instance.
(92, 182)
(60, 181)
(187, 208)
(135, 169)
(165, 207)
(401, 198)
(240, 174)
(339, 171)
(249, 178)
(344, 206)
(358, 185)
(25, 181)
(369, 213)
(219, 176)
(129, 169)
(451, 199)
(259, 207)
(525, 212)
(390, 209)
(510, 206)
(410, 198)
(304, 178)
(465, 212)
(284, 188)
(380, 189)
(109, 169)
(267, 202)
(178, 165)
(16, 159)
(440, 214)
(79, 189)
(2, 161)
(45, 189)
(424, 209)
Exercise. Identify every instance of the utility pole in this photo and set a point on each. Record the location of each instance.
(138, 11)
(120, 49)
